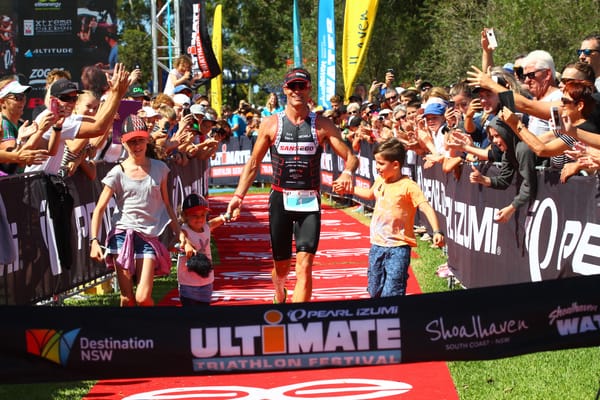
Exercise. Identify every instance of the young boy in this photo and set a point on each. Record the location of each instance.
(195, 275)
(397, 198)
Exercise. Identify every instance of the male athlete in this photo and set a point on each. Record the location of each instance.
(296, 137)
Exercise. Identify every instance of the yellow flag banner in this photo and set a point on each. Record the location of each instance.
(216, 84)
(359, 19)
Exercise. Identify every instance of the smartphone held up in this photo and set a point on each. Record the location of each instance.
(491, 37)
(557, 121)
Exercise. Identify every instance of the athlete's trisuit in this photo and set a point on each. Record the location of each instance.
(294, 203)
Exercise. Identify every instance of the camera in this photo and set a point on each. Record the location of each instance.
(185, 111)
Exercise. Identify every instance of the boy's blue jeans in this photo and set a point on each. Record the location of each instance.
(388, 270)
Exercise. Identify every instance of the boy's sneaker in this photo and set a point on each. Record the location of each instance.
(420, 229)
(443, 271)
(426, 237)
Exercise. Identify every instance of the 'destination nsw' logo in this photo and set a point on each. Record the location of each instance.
(50, 344)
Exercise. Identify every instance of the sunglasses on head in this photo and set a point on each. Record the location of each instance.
(297, 86)
(586, 52)
(16, 96)
(67, 99)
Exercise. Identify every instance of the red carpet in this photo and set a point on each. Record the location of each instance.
(244, 277)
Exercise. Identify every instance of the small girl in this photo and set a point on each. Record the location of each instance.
(195, 274)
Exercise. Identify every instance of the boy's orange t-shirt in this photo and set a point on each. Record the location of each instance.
(393, 217)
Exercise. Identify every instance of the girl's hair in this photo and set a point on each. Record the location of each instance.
(461, 87)
(581, 91)
(183, 59)
(436, 91)
(391, 150)
(162, 98)
(167, 112)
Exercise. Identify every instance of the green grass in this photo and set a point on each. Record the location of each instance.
(566, 374)
(557, 375)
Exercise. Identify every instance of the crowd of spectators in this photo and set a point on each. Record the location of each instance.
(465, 121)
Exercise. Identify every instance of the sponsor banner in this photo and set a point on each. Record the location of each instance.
(196, 40)
(36, 273)
(359, 19)
(75, 343)
(296, 34)
(229, 160)
(555, 237)
(216, 84)
(326, 55)
(66, 34)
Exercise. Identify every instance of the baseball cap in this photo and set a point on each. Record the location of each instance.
(198, 109)
(137, 90)
(149, 111)
(181, 99)
(434, 109)
(133, 127)
(181, 88)
(63, 86)
(297, 75)
(194, 202)
(208, 116)
(14, 87)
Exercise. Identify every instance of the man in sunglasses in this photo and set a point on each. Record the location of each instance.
(589, 53)
(540, 77)
(13, 97)
(295, 137)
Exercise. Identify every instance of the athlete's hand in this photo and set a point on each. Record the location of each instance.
(234, 207)
(344, 184)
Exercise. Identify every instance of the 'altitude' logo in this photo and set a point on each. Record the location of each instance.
(50, 344)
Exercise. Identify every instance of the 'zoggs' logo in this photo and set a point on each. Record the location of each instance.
(273, 337)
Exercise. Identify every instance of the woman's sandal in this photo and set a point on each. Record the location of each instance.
(284, 297)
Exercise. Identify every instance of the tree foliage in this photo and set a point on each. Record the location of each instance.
(438, 39)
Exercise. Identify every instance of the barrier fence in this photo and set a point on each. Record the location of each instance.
(556, 237)
(523, 308)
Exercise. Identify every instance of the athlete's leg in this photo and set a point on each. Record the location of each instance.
(279, 274)
(307, 233)
(281, 230)
(303, 288)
